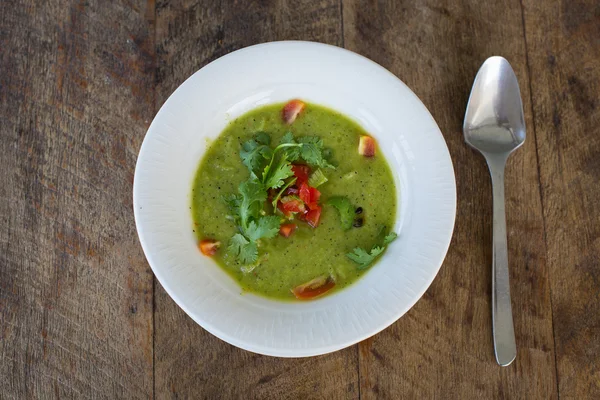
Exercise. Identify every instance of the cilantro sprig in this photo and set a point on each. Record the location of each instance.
(269, 169)
(276, 172)
(255, 152)
(309, 148)
(247, 208)
(245, 251)
(363, 258)
(265, 227)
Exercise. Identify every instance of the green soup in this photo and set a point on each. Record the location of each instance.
(286, 262)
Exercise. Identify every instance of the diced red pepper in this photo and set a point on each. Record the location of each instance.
(287, 214)
(286, 230)
(313, 216)
(291, 110)
(306, 205)
(313, 288)
(309, 195)
(209, 247)
(304, 193)
(291, 205)
(301, 172)
(314, 196)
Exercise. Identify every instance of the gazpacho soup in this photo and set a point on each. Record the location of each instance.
(294, 201)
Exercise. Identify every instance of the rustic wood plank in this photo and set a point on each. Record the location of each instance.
(443, 347)
(190, 362)
(563, 40)
(75, 289)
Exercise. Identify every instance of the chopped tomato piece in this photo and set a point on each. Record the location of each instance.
(301, 172)
(366, 146)
(313, 288)
(287, 214)
(286, 230)
(314, 196)
(291, 205)
(304, 193)
(209, 247)
(291, 110)
(309, 195)
(313, 216)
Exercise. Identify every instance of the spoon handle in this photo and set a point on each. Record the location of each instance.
(502, 320)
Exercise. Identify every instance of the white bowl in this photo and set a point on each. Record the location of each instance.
(275, 72)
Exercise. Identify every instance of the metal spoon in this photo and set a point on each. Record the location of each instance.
(495, 126)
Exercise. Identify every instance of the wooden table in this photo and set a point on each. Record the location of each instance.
(80, 312)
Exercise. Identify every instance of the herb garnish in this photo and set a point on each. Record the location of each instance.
(364, 258)
(269, 169)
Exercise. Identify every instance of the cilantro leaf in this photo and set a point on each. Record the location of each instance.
(389, 238)
(245, 251)
(364, 259)
(233, 202)
(274, 175)
(292, 153)
(253, 226)
(288, 137)
(266, 227)
(312, 151)
(255, 153)
(345, 208)
(317, 178)
(313, 156)
(253, 196)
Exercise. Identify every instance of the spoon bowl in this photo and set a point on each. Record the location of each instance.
(494, 120)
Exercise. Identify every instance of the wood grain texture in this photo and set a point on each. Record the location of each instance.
(443, 347)
(563, 40)
(80, 82)
(75, 290)
(190, 362)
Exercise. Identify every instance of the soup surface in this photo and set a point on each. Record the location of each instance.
(291, 254)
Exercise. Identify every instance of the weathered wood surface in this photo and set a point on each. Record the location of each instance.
(75, 289)
(79, 313)
(563, 42)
